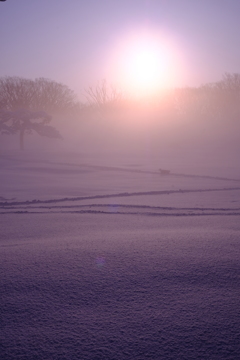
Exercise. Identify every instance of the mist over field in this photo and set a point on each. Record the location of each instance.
(120, 231)
(105, 257)
(119, 180)
(193, 124)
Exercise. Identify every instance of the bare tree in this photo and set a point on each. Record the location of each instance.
(103, 94)
(230, 82)
(25, 105)
(26, 121)
(35, 95)
(224, 97)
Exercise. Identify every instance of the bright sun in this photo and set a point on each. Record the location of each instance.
(143, 66)
(144, 63)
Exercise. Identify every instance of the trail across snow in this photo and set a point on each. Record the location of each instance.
(105, 262)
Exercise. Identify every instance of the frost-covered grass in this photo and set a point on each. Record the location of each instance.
(112, 263)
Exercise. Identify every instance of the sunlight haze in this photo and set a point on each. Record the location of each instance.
(145, 61)
(119, 180)
(74, 43)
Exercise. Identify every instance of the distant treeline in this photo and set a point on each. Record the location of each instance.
(219, 101)
(27, 105)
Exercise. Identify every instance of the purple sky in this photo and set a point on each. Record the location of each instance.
(72, 41)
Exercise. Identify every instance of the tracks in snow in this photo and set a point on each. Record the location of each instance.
(74, 205)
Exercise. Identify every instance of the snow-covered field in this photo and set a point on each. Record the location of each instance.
(112, 260)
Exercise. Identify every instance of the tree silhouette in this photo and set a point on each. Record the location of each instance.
(26, 121)
(25, 106)
(103, 95)
(36, 95)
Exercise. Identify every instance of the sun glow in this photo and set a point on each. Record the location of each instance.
(143, 67)
(144, 62)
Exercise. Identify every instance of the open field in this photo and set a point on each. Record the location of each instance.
(111, 260)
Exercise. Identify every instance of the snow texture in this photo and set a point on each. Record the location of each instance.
(116, 261)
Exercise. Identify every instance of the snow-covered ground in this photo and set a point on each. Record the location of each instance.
(109, 259)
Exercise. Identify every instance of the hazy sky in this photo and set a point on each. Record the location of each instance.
(79, 42)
